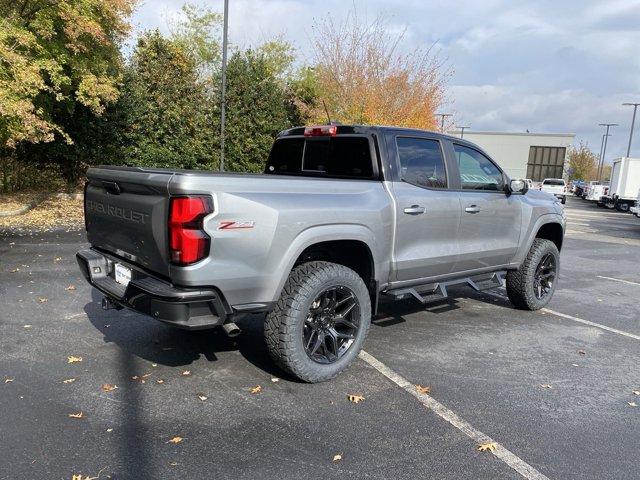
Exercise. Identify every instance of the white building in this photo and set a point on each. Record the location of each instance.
(525, 155)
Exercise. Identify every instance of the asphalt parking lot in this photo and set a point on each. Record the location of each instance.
(553, 388)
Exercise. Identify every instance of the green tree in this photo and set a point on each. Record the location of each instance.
(55, 55)
(163, 117)
(258, 106)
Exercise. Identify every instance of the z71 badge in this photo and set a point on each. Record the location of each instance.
(231, 225)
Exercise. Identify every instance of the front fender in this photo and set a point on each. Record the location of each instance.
(533, 229)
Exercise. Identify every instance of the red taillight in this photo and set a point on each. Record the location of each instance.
(188, 242)
(321, 131)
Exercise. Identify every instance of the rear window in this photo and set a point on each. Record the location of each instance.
(330, 156)
(554, 182)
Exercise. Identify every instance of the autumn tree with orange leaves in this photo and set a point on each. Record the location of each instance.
(364, 77)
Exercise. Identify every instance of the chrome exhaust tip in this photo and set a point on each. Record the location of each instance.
(231, 329)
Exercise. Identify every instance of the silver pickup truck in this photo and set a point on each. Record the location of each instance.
(341, 216)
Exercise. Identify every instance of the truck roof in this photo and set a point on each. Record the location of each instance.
(368, 129)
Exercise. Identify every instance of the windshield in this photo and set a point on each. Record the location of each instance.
(346, 156)
(554, 182)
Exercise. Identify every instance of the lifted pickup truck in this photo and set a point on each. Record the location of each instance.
(341, 215)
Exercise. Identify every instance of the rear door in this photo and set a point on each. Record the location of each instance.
(427, 212)
(490, 223)
(126, 212)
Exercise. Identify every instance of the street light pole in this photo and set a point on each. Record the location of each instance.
(633, 121)
(442, 117)
(604, 147)
(223, 105)
(462, 129)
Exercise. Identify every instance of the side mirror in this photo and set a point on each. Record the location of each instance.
(518, 186)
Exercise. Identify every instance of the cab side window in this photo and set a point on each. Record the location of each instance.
(477, 172)
(421, 162)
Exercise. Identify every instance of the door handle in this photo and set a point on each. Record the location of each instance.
(415, 210)
(472, 209)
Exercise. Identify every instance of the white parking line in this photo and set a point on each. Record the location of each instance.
(618, 280)
(515, 462)
(592, 324)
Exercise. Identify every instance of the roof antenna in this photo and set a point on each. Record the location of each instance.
(326, 110)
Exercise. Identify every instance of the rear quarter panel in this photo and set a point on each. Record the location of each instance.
(281, 217)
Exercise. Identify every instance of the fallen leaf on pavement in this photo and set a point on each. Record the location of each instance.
(355, 398)
(107, 387)
(546, 385)
(70, 288)
(69, 380)
(175, 440)
(9, 380)
(423, 390)
(76, 415)
(154, 364)
(43, 300)
(160, 381)
(173, 464)
(109, 430)
(489, 446)
(337, 457)
(57, 259)
(275, 379)
(27, 326)
(73, 359)
(15, 270)
(581, 352)
(256, 389)
(186, 373)
(636, 392)
(632, 404)
(202, 397)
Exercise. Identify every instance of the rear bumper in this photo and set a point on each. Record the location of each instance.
(191, 309)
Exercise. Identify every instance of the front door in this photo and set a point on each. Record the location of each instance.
(491, 220)
(427, 213)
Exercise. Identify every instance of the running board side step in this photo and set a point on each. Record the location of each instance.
(438, 290)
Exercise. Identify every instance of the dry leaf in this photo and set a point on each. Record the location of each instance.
(489, 446)
(154, 364)
(107, 387)
(69, 380)
(275, 379)
(43, 300)
(175, 440)
(581, 352)
(202, 396)
(27, 326)
(70, 288)
(160, 381)
(173, 464)
(186, 373)
(636, 392)
(632, 404)
(546, 385)
(73, 359)
(256, 389)
(57, 259)
(337, 457)
(423, 390)
(355, 398)
(15, 270)
(9, 380)
(109, 430)
(76, 415)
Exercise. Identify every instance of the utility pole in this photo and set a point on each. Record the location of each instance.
(462, 129)
(600, 157)
(604, 147)
(635, 107)
(223, 102)
(442, 117)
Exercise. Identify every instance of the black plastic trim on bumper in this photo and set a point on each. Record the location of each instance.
(191, 309)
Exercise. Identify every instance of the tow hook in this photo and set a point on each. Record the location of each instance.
(231, 329)
(108, 304)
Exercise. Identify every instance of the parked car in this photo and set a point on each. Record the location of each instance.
(625, 181)
(587, 188)
(636, 207)
(556, 187)
(596, 192)
(341, 216)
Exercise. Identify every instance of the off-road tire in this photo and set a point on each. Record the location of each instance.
(520, 282)
(284, 324)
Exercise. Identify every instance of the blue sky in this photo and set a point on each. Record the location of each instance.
(546, 66)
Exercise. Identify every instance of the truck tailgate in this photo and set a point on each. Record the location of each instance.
(126, 213)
